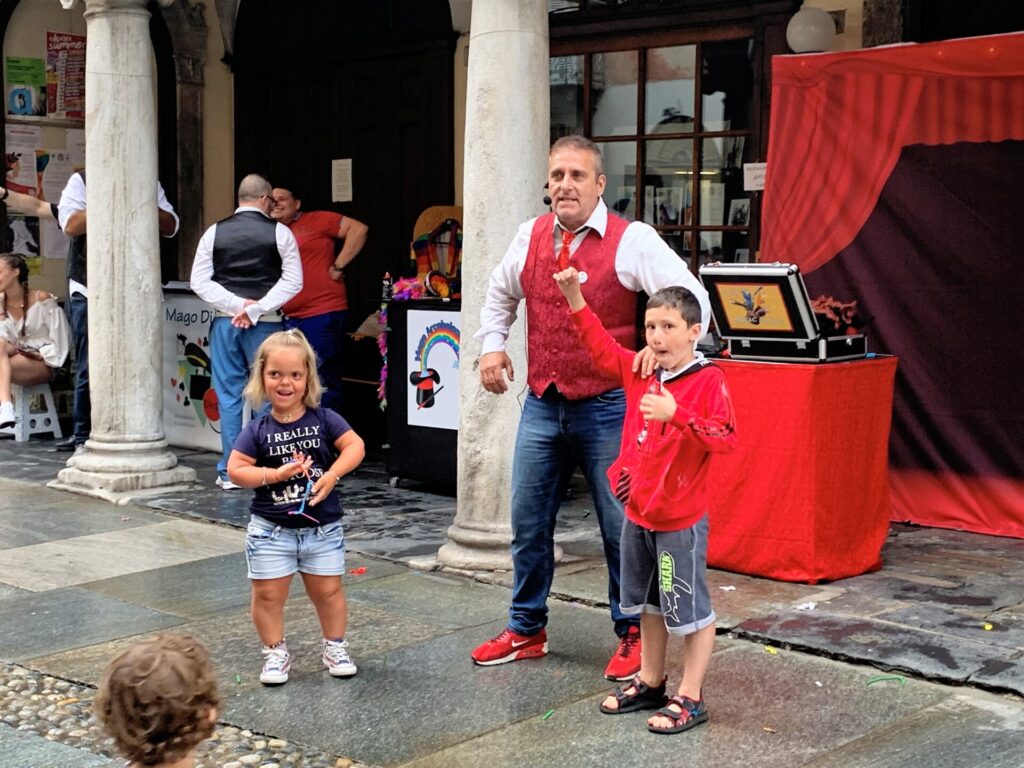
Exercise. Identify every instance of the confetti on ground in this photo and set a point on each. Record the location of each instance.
(987, 627)
(125, 519)
(238, 679)
(879, 678)
(358, 571)
(548, 714)
(766, 729)
(728, 588)
(818, 683)
(772, 651)
(808, 606)
(63, 702)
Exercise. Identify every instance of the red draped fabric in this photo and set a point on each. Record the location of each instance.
(893, 179)
(840, 120)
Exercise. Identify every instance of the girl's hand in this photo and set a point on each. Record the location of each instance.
(660, 406)
(322, 488)
(299, 465)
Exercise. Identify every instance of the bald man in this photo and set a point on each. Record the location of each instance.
(246, 267)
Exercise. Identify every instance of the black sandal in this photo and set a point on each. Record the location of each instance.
(643, 697)
(694, 713)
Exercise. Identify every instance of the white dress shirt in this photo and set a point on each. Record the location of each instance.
(223, 300)
(72, 200)
(643, 261)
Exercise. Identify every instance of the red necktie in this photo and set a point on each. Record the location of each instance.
(563, 254)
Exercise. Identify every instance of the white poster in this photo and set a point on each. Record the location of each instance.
(22, 143)
(341, 180)
(432, 356)
(191, 416)
(712, 203)
(55, 167)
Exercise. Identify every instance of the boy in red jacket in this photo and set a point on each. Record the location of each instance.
(674, 421)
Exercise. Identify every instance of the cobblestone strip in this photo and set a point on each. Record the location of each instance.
(62, 711)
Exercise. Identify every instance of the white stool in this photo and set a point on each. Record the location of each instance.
(31, 422)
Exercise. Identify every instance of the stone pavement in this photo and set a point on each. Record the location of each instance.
(801, 674)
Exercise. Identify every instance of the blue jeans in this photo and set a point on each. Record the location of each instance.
(556, 436)
(81, 410)
(324, 334)
(232, 353)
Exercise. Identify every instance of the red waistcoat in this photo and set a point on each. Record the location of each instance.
(554, 351)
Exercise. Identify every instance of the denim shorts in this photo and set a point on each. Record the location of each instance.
(666, 572)
(272, 551)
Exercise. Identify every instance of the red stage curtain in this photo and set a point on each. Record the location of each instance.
(840, 120)
(845, 128)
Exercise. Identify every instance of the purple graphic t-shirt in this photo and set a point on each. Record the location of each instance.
(272, 444)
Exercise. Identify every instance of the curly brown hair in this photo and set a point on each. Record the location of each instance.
(156, 699)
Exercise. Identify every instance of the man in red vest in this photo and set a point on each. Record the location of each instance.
(574, 416)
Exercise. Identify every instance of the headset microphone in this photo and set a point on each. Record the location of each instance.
(546, 200)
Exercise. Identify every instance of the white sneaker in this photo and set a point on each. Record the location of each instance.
(80, 450)
(226, 485)
(336, 658)
(7, 414)
(276, 663)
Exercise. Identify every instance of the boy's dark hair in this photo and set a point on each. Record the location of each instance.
(156, 697)
(678, 298)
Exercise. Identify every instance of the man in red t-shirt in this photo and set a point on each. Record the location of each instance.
(319, 309)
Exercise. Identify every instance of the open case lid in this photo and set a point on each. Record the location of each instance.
(759, 301)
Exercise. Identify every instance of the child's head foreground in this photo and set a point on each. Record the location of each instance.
(672, 326)
(158, 700)
(284, 372)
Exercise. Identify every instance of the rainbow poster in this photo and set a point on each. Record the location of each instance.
(433, 365)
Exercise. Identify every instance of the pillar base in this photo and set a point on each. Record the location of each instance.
(123, 487)
(480, 549)
(121, 471)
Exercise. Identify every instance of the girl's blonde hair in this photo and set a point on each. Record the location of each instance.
(294, 339)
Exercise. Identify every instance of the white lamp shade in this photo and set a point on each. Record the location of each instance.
(810, 29)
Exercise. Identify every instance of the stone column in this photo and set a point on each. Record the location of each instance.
(127, 454)
(507, 129)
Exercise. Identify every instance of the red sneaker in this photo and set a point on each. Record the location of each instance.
(625, 663)
(508, 646)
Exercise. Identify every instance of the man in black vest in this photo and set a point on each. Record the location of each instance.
(71, 217)
(246, 267)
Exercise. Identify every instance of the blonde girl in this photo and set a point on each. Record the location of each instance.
(293, 456)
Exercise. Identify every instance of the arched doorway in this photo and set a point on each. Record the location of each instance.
(369, 80)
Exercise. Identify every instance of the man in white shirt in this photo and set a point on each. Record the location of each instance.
(72, 219)
(573, 415)
(246, 267)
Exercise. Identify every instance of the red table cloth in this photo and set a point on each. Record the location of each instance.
(805, 496)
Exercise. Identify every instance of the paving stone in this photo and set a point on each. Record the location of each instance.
(39, 624)
(444, 698)
(877, 642)
(438, 599)
(235, 647)
(195, 590)
(961, 731)
(41, 521)
(747, 691)
(1006, 631)
(67, 562)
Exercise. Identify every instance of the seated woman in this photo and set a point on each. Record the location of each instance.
(34, 335)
